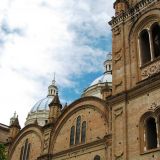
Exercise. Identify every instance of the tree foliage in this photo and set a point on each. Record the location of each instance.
(2, 152)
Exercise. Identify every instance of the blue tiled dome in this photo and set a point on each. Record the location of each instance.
(42, 105)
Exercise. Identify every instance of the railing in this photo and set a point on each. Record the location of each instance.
(132, 11)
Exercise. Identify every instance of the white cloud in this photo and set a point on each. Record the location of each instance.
(40, 37)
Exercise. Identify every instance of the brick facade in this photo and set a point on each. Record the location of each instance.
(4, 133)
(123, 125)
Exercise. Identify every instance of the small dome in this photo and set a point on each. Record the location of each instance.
(102, 79)
(101, 86)
(42, 105)
(40, 111)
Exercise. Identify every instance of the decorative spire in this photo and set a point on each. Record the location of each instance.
(15, 123)
(66, 105)
(54, 79)
(15, 114)
(54, 109)
(12, 119)
(56, 101)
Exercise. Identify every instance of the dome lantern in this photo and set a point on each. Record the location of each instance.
(108, 63)
(52, 89)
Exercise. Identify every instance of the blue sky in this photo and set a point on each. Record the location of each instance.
(40, 37)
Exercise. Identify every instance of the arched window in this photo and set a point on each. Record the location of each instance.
(97, 157)
(72, 135)
(22, 152)
(145, 47)
(151, 133)
(78, 132)
(28, 151)
(78, 128)
(156, 39)
(149, 130)
(25, 150)
(83, 132)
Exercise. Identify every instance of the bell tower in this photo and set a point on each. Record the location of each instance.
(135, 42)
(136, 78)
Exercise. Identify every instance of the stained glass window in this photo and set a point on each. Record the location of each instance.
(25, 150)
(78, 128)
(83, 132)
(72, 135)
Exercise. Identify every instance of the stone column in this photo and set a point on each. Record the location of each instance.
(151, 44)
(139, 49)
(145, 139)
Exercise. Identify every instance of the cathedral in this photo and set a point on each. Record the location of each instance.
(117, 116)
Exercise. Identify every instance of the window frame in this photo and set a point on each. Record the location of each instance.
(83, 132)
(152, 52)
(72, 135)
(142, 131)
(78, 129)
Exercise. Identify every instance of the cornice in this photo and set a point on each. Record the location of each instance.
(108, 139)
(131, 12)
(145, 86)
(45, 157)
(5, 129)
(71, 150)
(79, 147)
(120, 97)
(141, 88)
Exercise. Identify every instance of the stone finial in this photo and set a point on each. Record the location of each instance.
(120, 6)
(16, 123)
(66, 105)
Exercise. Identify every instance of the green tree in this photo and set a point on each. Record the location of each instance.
(2, 152)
